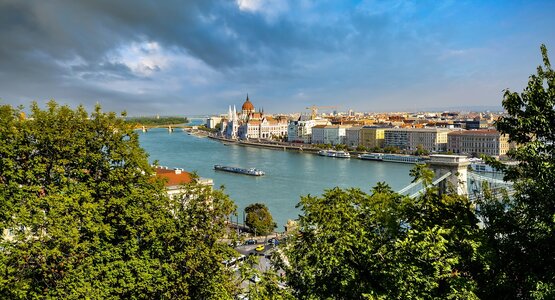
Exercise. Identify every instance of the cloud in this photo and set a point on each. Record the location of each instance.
(201, 55)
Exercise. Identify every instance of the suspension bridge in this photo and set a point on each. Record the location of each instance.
(452, 175)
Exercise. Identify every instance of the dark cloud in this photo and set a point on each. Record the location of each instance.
(88, 51)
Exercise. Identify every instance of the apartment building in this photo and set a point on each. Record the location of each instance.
(329, 134)
(371, 137)
(352, 136)
(430, 139)
(475, 142)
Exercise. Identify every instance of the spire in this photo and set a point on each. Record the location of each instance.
(234, 114)
(247, 96)
(229, 115)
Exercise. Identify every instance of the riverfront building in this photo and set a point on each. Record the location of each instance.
(300, 131)
(430, 139)
(329, 134)
(250, 124)
(371, 137)
(475, 142)
(396, 137)
(352, 136)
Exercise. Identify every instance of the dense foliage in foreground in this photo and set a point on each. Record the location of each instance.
(87, 219)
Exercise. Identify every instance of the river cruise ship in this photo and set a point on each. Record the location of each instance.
(371, 156)
(407, 159)
(333, 153)
(250, 171)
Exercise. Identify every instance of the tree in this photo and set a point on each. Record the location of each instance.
(361, 148)
(258, 218)
(520, 230)
(421, 151)
(352, 245)
(89, 220)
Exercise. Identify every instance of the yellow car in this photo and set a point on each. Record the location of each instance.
(260, 248)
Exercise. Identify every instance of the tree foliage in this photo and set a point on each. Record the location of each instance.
(258, 218)
(353, 245)
(156, 121)
(83, 216)
(521, 230)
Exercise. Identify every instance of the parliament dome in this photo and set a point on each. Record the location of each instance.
(247, 106)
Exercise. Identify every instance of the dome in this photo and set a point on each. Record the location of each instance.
(247, 106)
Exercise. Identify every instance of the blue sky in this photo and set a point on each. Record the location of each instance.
(196, 57)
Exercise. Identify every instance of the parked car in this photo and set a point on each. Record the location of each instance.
(259, 248)
(251, 242)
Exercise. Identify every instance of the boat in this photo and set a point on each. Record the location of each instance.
(330, 153)
(249, 171)
(333, 153)
(342, 154)
(407, 159)
(371, 156)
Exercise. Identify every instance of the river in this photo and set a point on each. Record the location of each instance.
(289, 175)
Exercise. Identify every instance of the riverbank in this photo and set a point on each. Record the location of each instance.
(268, 145)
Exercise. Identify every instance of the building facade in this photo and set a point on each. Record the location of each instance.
(476, 142)
(329, 134)
(300, 131)
(352, 136)
(371, 137)
(396, 137)
(250, 124)
(430, 139)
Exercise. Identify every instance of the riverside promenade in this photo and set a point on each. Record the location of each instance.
(269, 145)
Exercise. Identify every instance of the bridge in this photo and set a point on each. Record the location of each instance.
(452, 174)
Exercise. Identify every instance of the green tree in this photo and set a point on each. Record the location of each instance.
(361, 148)
(352, 245)
(156, 121)
(520, 230)
(421, 151)
(258, 218)
(87, 219)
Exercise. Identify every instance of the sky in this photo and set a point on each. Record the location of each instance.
(191, 57)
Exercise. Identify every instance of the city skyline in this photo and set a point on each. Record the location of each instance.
(199, 57)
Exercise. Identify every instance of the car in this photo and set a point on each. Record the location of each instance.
(234, 244)
(259, 248)
(273, 241)
(251, 242)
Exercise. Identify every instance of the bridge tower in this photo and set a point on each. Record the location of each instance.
(456, 165)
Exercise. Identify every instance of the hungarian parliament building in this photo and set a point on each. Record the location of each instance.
(252, 124)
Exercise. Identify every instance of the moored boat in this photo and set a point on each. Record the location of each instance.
(249, 171)
(334, 153)
(342, 154)
(407, 159)
(371, 156)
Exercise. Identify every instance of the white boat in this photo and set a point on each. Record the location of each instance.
(250, 171)
(333, 153)
(330, 153)
(371, 156)
(342, 154)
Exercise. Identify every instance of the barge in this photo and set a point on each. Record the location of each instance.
(250, 171)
